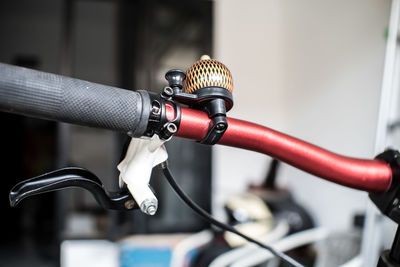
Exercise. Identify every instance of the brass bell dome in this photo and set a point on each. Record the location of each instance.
(207, 73)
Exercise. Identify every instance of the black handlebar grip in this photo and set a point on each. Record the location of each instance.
(55, 97)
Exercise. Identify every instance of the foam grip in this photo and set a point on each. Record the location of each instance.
(55, 97)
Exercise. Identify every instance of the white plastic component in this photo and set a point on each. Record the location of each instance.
(184, 248)
(135, 170)
(228, 258)
(83, 253)
(290, 242)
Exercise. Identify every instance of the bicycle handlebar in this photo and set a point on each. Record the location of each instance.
(362, 174)
(49, 96)
(54, 97)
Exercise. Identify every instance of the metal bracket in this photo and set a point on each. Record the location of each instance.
(215, 101)
(158, 121)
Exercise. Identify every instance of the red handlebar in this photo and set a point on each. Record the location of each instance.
(24, 91)
(367, 175)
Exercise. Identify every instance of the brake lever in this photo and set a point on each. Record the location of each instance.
(72, 177)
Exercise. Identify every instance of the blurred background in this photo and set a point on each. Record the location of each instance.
(311, 69)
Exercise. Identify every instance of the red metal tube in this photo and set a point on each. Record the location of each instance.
(362, 174)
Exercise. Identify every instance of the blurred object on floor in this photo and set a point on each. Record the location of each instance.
(280, 230)
(84, 253)
(341, 247)
(249, 214)
(281, 201)
(297, 245)
(264, 211)
(162, 250)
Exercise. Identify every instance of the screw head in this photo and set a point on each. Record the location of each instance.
(156, 110)
(129, 204)
(220, 126)
(168, 91)
(171, 127)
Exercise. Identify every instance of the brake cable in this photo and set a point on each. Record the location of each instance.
(206, 216)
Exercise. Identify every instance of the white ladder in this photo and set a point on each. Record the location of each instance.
(389, 114)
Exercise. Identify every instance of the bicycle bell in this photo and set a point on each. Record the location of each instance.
(207, 85)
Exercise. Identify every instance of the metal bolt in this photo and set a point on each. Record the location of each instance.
(220, 126)
(151, 210)
(171, 127)
(168, 91)
(129, 204)
(149, 206)
(155, 110)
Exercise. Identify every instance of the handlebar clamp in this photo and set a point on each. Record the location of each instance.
(389, 202)
(207, 85)
(158, 121)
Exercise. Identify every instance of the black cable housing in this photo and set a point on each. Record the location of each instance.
(205, 215)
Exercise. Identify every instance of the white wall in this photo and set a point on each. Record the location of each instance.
(312, 69)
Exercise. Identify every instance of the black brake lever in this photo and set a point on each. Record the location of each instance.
(72, 177)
